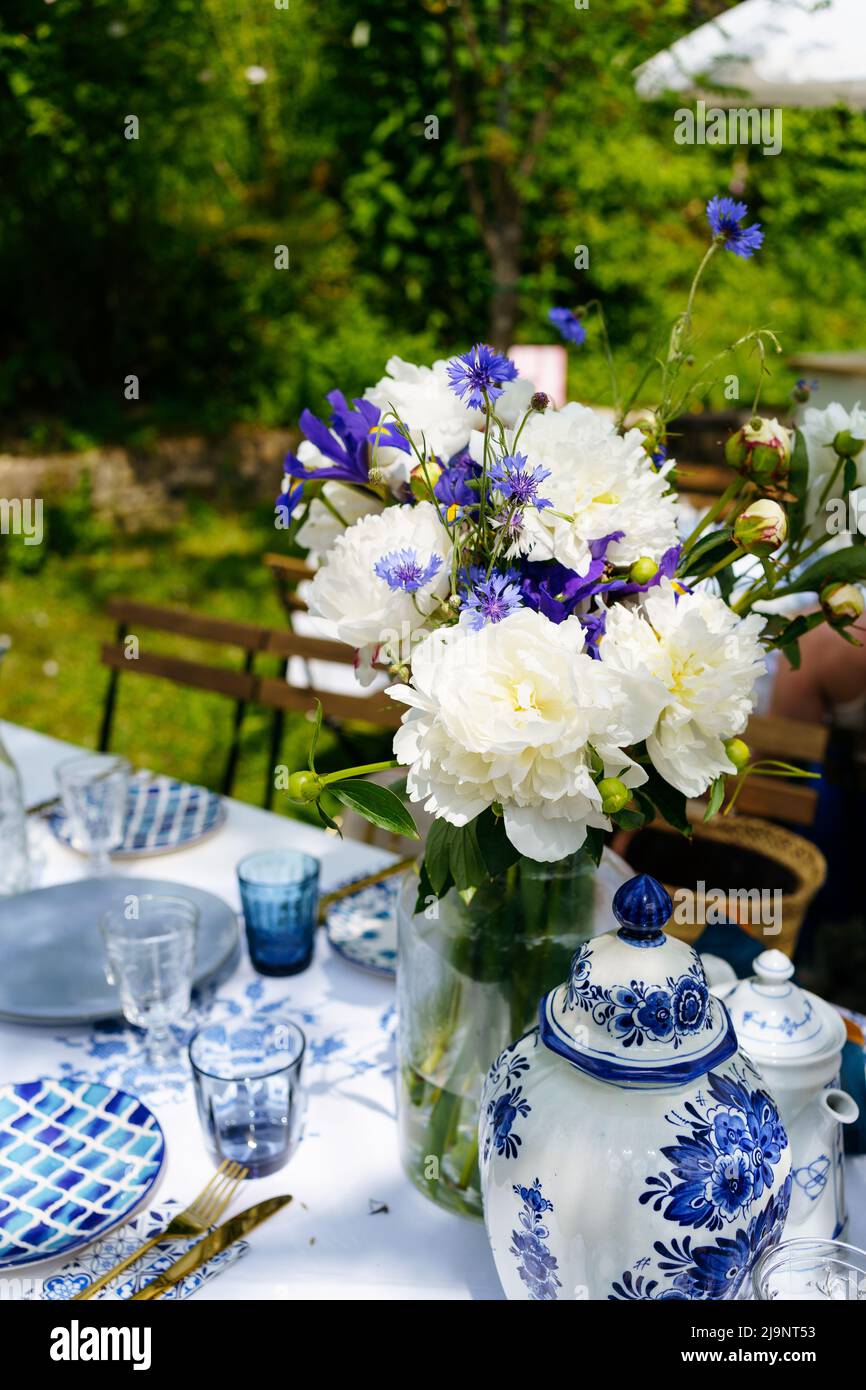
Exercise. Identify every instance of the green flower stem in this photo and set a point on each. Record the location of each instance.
(362, 771)
(716, 510)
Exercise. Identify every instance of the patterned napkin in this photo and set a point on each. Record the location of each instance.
(91, 1263)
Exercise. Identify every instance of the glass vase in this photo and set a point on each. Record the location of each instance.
(14, 856)
(469, 979)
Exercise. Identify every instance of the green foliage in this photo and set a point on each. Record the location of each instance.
(155, 256)
(376, 804)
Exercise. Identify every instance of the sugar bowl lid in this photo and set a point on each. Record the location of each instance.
(635, 1009)
(776, 1021)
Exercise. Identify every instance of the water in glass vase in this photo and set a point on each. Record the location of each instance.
(469, 979)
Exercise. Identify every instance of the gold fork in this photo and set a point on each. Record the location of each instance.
(201, 1213)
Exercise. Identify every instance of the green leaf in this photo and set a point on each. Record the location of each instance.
(426, 891)
(798, 627)
(707, 552)
(376, 804)
(791, 650)
(314, 740)
(646, 806)
(849, 475)
(594, 844)
(437, 857)
(843, 566)
(497, 850)
(717, 796)
(327, 821)
(670, 802)
(629, 820)
(798, 484)
(468, 868)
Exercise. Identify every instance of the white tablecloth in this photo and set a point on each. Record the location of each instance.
(333, 1241)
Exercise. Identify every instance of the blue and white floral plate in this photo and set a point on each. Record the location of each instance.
(362, 927)
(76, 1159)
(162, 815)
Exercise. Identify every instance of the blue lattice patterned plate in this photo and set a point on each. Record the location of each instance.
(362, 927)
(161, 815)
(76, 1159)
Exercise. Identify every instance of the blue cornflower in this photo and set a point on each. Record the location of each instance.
(724, 216)
(569, 325)
(518, 482)
(488, 600)
(479, 372)
(401, 569)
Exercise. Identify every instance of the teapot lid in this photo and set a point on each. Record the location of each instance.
(635, 1009)
(776, 1021)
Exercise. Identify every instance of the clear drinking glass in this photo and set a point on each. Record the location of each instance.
(94, 789)
(280, 897)
(247, 1075)
(150, 944)
(811, 1270)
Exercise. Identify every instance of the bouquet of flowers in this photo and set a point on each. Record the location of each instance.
(568, 662)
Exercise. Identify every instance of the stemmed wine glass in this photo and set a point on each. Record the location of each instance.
(94, 788)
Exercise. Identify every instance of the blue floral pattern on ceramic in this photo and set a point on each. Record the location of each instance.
(362, 927)
(713, 1271)
(502, 1111)
(812, 1177)
(639, 1013)
(537, 1267)
(75, 1158)
(723, 1160)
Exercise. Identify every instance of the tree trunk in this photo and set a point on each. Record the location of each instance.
(504, 247)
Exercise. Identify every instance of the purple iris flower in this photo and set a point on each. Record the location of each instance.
(453, 488)
(593, 627)
(290, 497)
(401, 569)
(556, 591)
(479, 372)
(488, 600)
(519, 483)
(569, 325)
(347, 443)
(724, 216)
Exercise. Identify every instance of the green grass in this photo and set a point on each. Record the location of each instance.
(52, 679)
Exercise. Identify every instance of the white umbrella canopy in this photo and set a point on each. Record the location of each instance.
(775, 52)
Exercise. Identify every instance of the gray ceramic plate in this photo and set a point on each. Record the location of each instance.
(52, 954)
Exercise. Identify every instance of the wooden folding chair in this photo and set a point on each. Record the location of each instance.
(793, 801)
(245, 686)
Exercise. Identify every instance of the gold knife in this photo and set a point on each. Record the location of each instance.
(218, 1240)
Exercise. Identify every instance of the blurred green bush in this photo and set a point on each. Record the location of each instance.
(306, 127)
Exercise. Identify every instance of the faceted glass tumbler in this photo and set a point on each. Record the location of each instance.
(247, 1075)
(280, 897)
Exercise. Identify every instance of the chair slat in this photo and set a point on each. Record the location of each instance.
(249, 636)
(371, 709)
(787, 738)
(775, 798)
(238, 685)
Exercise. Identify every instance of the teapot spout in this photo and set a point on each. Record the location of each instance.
(836, 1108)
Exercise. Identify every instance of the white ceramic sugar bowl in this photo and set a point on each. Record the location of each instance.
(628, 1149)
(797, 1039)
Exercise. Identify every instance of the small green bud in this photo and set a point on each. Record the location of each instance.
(846, 446)
(304, 787)
(738, 752)
(423, 479)
(842, 603)
(614, 795)
(643, 570)
(761, 528)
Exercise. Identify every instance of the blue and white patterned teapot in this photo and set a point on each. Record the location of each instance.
(628, 1149)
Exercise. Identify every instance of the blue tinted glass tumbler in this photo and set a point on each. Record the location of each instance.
(247, 1074)
(280, 897)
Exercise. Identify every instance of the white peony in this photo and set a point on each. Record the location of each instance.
(696, 662)
(507, 715)
(368, 611)
(819, 429)
(600, 482)
(323, 524)
(424, 401)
